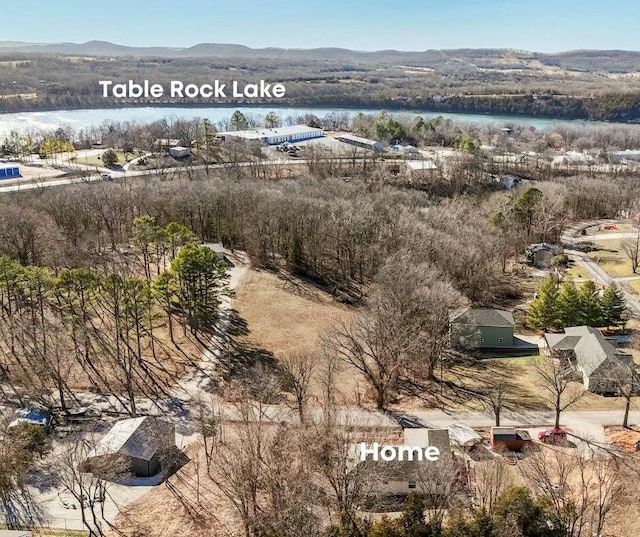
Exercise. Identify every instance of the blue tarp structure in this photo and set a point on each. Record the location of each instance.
(9, 170)
(32, 415)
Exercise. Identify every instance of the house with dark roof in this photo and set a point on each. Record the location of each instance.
(600, 365)
(483, 328)
(136, 445)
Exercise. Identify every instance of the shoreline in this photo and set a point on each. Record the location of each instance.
(322, 106)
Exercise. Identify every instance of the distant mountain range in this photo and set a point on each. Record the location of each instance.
(580, 60)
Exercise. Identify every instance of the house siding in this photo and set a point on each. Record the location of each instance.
(483, 337)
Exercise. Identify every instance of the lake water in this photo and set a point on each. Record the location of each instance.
(79, 119)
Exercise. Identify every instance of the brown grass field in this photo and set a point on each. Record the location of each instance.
(289, 316)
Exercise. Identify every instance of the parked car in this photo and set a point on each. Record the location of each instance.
(553, 436)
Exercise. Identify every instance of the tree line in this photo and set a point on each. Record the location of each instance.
(558, 306)
(99, 329)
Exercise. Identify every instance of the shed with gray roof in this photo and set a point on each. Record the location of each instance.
(137, 444)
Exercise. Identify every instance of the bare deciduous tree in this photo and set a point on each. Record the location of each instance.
(557, 384)
(299, 368)
(632, 250)
(579, 487)
(492, 478)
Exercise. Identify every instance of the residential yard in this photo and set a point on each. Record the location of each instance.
(523, 386)
(610, 256)
(482, 376)
(594, 231)
(96, 160)
(634, 286)
(576, 271)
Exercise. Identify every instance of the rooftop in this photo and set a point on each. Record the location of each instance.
(420, 165)
(357, 139)
(485, 317)
(259, 134)
(136, 437)
(591, 348)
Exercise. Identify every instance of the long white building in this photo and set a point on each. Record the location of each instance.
(278, 135)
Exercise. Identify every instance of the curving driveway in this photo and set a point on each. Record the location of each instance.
(571, 239)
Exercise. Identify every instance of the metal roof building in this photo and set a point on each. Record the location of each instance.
(365, 143)
(278, 135)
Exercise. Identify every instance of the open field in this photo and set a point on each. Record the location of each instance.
(596, 231)
(96, 160)
(610, 256)
(289, 316)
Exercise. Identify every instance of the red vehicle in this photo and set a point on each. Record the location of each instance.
(553, 436)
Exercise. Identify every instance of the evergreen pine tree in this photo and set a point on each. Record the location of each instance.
(543, 311)
(590, 304)
(569, 307)
(613, 306)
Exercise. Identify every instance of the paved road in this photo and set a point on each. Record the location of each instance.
(92, 177)
(117, 174)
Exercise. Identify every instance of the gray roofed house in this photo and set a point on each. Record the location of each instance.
(402, 477)
(600, 364)
(483, 328)
(540, 255)
(138, 443)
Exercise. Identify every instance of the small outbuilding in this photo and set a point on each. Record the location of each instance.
(421, 168)
(179, 152)
(509, 438)
(358, 141)
(217, 248)
(138, 445)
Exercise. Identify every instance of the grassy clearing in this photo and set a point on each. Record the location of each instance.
(612, 259)
(286, 316)
(619, 228)
(96, 160)
(634, 286)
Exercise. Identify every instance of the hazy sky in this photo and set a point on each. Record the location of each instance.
(539, 25)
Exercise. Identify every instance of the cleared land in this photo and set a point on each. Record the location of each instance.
(96, 160)
(612, 259)
(289, 316)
